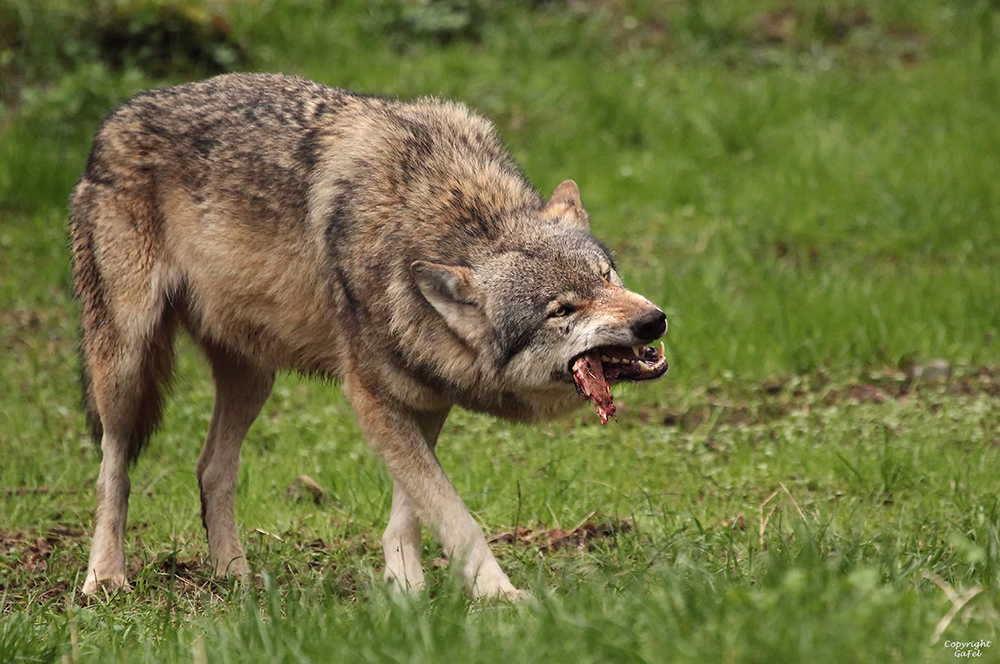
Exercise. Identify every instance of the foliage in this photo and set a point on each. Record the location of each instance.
(439, 20)
(41, 41)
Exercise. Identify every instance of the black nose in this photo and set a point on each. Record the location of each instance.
(650, 326)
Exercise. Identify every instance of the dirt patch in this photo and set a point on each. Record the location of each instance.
(774, 399)
(37, 567)
(788, 25)
(30, 552)
(31, 562)
(852, 30)
(582, 538)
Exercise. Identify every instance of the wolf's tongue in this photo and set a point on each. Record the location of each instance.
(589, 376)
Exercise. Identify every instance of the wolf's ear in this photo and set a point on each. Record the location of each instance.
(452, 292)
(564, 203)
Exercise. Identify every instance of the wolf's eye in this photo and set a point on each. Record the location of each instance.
(559, 311)
(611, 277)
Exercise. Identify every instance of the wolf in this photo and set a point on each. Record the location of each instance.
(392, 247)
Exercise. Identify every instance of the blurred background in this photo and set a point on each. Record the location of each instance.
(810, 189)
(803, 185)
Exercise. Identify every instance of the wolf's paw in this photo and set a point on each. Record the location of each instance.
(404, 586)
(504, 592)
(513, 595)
(233, 564)
(96, 586)
(510, 595)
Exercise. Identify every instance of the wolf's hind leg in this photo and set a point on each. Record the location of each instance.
(106, 566)
(401, 542)
(124, 286)
(240, 392)
(125, 384)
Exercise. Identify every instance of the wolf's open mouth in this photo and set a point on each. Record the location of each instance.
(594, 370)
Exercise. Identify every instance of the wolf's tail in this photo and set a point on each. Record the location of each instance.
(126, 352)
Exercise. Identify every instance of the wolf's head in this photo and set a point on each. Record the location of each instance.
(545, 298)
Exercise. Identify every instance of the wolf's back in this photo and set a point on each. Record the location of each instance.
(278, 218)
(283, 150)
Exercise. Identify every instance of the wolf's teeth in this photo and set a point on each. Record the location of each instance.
(637, 351)
(614, 360)
(605, 358)
(644, 367)
(663, 351)
(624, 361)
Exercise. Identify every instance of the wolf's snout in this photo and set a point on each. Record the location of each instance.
(650, 326)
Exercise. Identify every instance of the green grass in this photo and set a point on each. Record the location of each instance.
(813, 195)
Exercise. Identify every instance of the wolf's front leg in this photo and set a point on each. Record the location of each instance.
(397, 435)
(401, 544)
